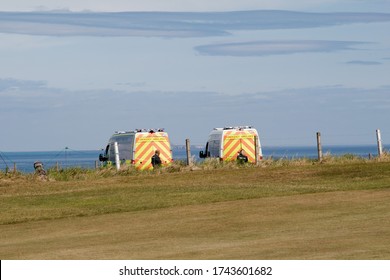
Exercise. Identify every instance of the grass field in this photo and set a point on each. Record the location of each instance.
(279, 210)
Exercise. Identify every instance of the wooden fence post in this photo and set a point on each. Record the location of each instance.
(319, 146)
(256, 150)
(188, 151)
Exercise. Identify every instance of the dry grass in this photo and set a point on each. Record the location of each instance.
(276, 211)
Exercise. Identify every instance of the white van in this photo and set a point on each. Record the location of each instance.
(228, 142)
(137, 148)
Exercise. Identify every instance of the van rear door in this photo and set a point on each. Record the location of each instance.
(146, 144)
(237, 140)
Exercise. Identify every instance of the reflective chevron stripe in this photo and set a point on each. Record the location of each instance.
(145, 147)
(237, 140)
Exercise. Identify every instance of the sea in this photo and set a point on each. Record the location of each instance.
(89, 159)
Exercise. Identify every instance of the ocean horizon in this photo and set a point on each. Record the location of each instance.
(88, 159)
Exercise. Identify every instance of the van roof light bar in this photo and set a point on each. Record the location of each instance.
(140, 130)
(152, 130)
(149, 130)
(237, 127)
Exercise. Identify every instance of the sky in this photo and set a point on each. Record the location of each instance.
(73, 72)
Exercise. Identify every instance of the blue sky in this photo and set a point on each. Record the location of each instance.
(73, 72)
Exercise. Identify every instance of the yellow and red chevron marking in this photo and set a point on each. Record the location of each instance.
(146, 146)
(235, 141)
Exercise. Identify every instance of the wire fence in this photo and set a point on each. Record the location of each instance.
(66, 158)
(89, 159)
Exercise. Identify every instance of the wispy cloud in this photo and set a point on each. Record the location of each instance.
(26, 96)
(86, 118)
(37, 95)
(10, 85)
(171, 24)
(265, 48)
(364, 62)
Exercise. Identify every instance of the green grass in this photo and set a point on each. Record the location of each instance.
(301, 209)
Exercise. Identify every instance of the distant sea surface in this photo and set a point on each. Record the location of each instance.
(24, 161)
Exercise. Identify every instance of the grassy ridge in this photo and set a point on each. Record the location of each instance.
(26, 199)
(223, 212)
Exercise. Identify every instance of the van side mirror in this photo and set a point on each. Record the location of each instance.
(201, 154)
(102, 158)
